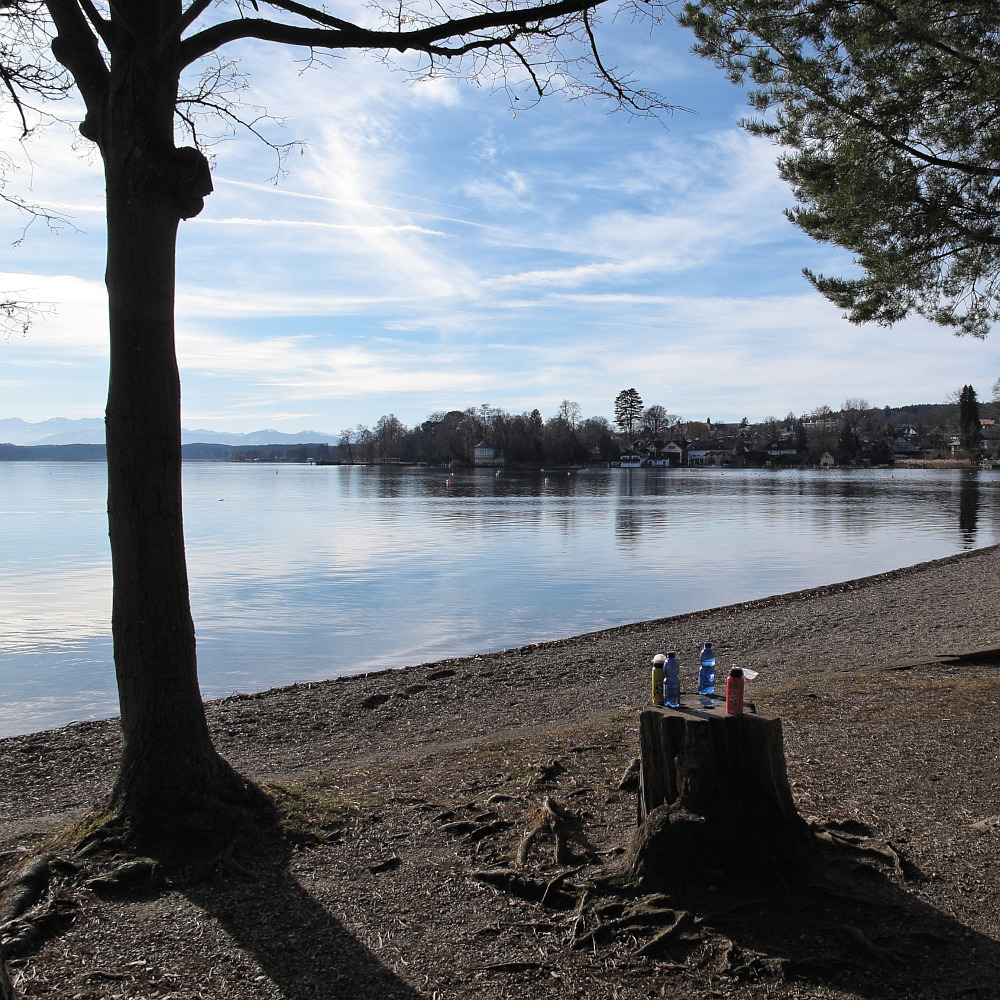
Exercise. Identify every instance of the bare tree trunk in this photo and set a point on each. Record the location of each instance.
(167, 748)
(171, 777)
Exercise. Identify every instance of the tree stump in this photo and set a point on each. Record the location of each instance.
(714, 797)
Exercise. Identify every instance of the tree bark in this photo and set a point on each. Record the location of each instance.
(703, 760)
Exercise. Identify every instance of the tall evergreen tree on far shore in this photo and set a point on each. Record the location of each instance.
(969, 429)
(628, 411)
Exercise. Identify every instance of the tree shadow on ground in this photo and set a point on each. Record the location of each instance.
(855, 923)
(298, 944)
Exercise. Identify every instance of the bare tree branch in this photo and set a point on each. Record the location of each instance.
(217, 97)
(351, 36)
(76, 47)
(18, 313)
(188, 17)
(101, 25)
(311, 14)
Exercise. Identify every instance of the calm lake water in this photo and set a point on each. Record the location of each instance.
(300, 572)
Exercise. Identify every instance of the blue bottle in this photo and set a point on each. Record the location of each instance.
(706, 676)
(672, 681)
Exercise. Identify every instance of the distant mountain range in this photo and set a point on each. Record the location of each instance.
(90, 430)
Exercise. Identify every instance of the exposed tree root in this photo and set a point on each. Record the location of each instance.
(527, 887)
(6, 986)
(101, 854)
(866, 848)
(35, 905)
(25, 887)
(142, 873)
(683, 923)
(746, 919)
(739, 929)
(629, 781)
(27, 933)
(552, 883)
(555, 821)
(635, 921)
(524, 848)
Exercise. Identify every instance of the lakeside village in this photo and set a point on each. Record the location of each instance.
(857, 435)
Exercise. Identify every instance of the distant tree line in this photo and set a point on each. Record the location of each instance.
(53, 453)
(451, 437)
(856, 431)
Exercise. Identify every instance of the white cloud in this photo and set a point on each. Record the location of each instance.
(437, 91)
(507, 190)
(583, 274)
(334, 226)
(71, 314)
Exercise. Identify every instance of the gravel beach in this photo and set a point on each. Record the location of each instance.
(889, 730)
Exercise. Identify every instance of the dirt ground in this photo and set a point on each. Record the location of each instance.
(462, 825)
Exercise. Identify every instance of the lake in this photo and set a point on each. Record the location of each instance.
(307, 572)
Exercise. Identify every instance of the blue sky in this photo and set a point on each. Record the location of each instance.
(431, 249)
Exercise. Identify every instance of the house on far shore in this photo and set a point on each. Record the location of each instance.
(988, 430)
(712, 452)
(827, 461)
(782, 449)
(630, 460)
(485, 455)
(661, 453)
(902, 449)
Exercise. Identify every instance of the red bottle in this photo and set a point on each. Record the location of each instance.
(734, 692)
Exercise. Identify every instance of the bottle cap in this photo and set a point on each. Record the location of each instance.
(670, 652)
(736, 672)
(659, 658)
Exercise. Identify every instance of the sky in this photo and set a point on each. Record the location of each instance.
(436, 245)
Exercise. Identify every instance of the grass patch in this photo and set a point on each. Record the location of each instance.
(70, 837)
(310, 815)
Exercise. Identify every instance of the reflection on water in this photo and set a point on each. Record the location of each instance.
(302, 572)
(968, 508)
